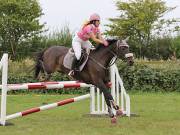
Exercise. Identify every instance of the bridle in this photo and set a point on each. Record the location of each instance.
(119, 45)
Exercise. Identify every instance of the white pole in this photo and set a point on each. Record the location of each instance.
(128, 111)
(92, 100)
(98, 100)
(122, 99)
(125, 99)
(117, 92)
(102, 95)
(0, 64)
(113, 87)
(112, 81)
(4, 88)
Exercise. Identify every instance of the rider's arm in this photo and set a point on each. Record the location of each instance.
(102, 39)
(93, 37)
(99, 35)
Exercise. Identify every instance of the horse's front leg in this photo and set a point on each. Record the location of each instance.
(108, 98)
(119, 111)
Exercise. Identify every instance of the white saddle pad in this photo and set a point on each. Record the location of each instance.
(68, 59)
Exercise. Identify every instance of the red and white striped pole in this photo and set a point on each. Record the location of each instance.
(47, 85)
(45, 107)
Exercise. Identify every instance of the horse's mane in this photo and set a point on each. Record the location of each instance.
(110, 41)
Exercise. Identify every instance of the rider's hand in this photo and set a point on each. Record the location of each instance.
(92, 47)
(105, 43)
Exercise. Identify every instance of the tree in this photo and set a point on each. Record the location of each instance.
(141, 20)
(19, 21)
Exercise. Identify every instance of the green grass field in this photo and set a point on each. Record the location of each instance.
(159, 114)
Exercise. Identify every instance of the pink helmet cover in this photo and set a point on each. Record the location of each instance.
(94, 17)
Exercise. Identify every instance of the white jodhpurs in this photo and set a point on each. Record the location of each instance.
(78, 44)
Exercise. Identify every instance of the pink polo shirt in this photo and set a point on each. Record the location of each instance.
(84, 33)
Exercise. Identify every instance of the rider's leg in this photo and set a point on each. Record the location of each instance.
(75, 64)
(87, 45)
(76, 45)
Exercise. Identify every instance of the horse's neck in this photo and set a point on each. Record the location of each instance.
(105, 55)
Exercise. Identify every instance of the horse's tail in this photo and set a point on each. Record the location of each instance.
(38, 64)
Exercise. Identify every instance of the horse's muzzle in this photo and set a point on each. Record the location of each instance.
(130, 62)
(130, 59)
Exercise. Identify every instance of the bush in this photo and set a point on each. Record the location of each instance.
(144, 78)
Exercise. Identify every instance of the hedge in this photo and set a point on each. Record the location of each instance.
(144, 78)
(139, 77)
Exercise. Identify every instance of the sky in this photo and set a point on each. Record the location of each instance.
(72, 13)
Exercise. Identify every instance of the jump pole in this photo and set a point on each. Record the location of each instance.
(46, 85)
(46, 107)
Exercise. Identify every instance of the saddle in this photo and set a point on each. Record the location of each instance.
(68, 59)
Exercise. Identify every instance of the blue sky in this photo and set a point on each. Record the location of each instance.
(59, 13)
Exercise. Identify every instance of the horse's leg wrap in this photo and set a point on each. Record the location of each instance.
(119, 112)
(108, 97)
(116, 107)
(111, 114)
(109, 100)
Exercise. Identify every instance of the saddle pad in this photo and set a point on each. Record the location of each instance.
(68, 59)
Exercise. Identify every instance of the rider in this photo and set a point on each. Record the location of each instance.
(90, 30)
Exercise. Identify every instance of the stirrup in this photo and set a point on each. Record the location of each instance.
(71, 73)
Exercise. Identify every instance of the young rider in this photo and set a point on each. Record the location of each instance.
(81, 40)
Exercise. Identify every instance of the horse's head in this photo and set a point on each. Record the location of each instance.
(122, 50)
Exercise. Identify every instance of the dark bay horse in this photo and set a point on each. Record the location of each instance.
(95, 71)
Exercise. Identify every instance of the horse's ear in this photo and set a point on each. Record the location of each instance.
(127, 38)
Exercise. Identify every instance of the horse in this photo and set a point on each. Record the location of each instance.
(95, 71)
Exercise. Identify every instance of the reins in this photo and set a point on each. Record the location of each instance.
(113, 60)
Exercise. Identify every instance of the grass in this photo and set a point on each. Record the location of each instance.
(159, 115)
(161, 64)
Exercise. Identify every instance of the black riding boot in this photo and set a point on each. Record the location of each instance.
(75, 67)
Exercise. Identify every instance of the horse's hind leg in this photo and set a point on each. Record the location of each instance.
(40, 67)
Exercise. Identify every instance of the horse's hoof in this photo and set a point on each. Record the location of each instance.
(119, 112)
(113, 120)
